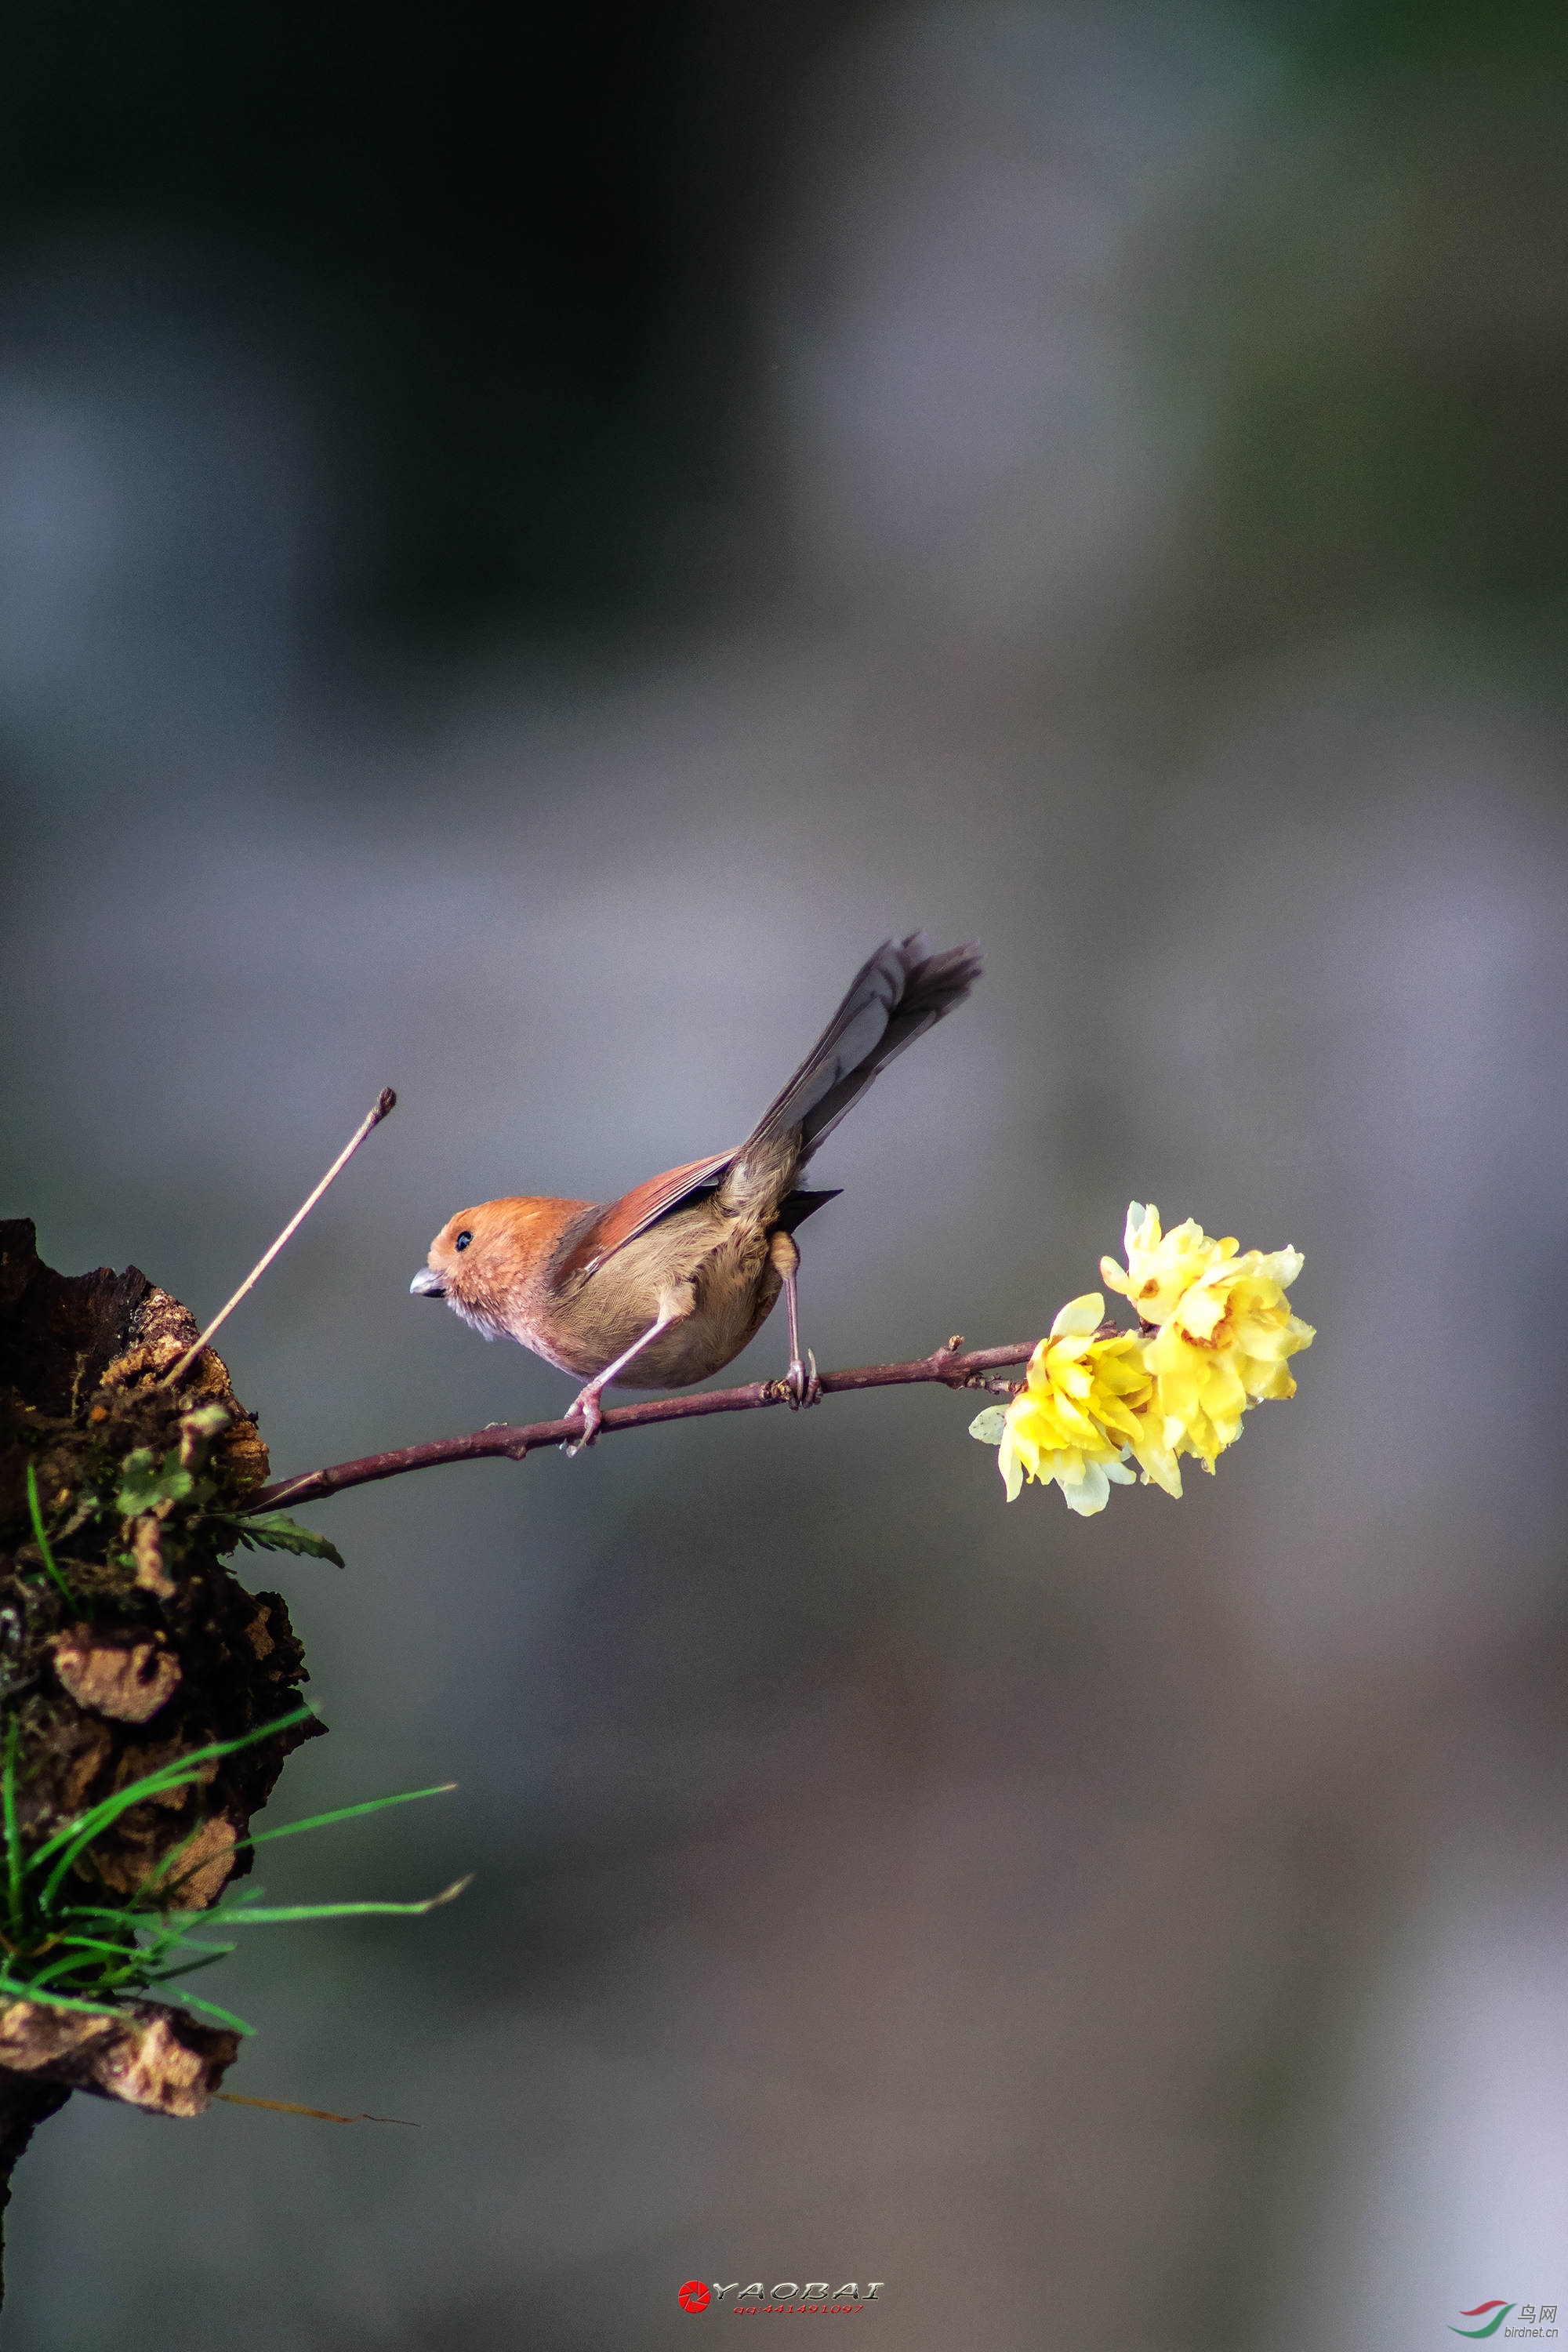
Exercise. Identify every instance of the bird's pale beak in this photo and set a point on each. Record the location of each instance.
(426, 1283)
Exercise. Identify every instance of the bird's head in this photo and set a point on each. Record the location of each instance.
(487, 1262)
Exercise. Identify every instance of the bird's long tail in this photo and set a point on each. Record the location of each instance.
(897, 994)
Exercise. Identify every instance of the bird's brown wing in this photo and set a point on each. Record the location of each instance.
(635, 1212)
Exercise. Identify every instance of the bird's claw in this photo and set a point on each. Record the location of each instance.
(801, 1387)
(588, 1405)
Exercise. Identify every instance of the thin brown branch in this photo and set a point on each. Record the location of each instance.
(950, 1366)
(386, 1100)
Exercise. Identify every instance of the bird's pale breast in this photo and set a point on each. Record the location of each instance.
(720, 1262)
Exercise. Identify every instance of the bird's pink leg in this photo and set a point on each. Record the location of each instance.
(804, 1387)
(587, 1404)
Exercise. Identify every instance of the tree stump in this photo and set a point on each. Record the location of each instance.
(126, 1645)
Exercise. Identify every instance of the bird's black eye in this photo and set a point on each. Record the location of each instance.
(462, 1241)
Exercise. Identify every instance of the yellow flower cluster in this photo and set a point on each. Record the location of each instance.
(1216, 1332)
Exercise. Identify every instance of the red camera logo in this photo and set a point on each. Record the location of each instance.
(694, 2296)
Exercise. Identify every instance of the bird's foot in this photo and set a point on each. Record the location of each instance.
(802, 1386)
(588, 1405)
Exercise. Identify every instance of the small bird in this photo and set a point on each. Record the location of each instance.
(667, 1285)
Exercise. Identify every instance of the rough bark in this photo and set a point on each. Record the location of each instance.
(136, 1647)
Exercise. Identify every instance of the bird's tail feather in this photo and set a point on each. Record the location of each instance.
(898, 994)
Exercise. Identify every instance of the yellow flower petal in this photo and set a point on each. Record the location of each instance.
(1080, 1317)
(1088, 1491)
(1076, 1409)
(1223, 1346)
(1161, 1267)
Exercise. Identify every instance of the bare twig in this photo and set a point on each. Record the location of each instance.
(319, 2114)
(948, 1365)
(384, 1102)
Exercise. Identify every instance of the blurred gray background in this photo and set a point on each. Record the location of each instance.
(529, 541)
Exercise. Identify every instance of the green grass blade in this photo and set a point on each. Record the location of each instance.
(13, 1834)
(229, 1903)
(105, 1981)
(20, 1991)
(167, 1975)
(96, 1944)
(224, 2016)
(278, 1915)
(42, 1540)
(347, 1813)
(166, 1946)
(146, 1923)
